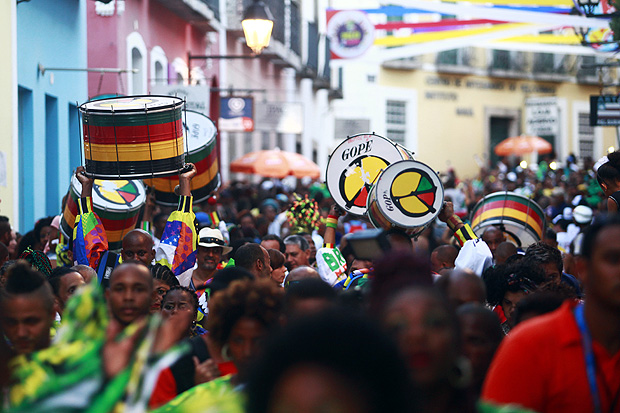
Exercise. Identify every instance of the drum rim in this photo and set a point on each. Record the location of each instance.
(196, 150)
(398, 224)
(498, 193)
(142, 193)
(327, 169)
(179, 103)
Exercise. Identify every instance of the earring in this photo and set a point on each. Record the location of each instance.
(225, 354)
(460, 374)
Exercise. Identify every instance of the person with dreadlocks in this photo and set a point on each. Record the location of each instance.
(177, 249)
(38, 260)
(508, 284)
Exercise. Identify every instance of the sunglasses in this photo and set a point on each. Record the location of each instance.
(212, 240)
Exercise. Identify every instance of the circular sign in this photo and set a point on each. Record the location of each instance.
(355, 165)
(351, 33)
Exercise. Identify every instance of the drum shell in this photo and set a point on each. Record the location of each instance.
(379, 220)
(207, 177)
(521, 219)
(116, 221)
(133, 143)
(350, 155)
(382, 208)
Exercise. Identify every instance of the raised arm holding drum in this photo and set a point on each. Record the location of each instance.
(176, 249)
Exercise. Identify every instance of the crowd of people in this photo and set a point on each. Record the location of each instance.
(258, 299)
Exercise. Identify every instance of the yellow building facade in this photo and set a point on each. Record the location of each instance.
(460, 117)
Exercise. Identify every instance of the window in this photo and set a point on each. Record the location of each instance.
(396, 120)
(136, 61)
(159, 67)
(136, 76)
(51, 155)
(586, 136)
(266, 140)
(501, 60)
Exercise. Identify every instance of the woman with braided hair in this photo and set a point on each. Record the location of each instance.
(38, 261)
(163, 280)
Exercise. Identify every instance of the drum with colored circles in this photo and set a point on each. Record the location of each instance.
(520, 218)
(133, 137)
(200, 133)
(355, 165)
(408, 195)
(117, 203)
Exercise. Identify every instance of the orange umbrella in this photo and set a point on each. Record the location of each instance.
(276, 164)
(521, 145)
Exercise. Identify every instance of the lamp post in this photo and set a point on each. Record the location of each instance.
(257, 24)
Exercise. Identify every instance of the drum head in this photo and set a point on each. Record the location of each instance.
(130, 104)
(120, 196)
(520, 218)
(199, 130)
(409, 194)
(355, 166)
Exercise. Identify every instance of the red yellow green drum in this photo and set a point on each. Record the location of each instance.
(520, 218)
(133, 137)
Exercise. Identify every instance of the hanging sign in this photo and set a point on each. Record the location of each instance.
(236, 114)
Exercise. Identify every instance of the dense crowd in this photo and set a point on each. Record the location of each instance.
(260, 299)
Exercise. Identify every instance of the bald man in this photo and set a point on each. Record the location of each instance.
(138, 245)
(302, 273)
(130, 294)
(463, 286)
(493, 237)
(443, 257)
(504, 251)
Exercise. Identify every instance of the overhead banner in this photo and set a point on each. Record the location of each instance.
(236, 114)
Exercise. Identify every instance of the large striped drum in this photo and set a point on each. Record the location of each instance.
(408, 195)
(355, 165)
(117, 203)
(520, 218)
(133, 137)
(200, 133)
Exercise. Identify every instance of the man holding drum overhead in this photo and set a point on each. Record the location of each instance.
(176, 249)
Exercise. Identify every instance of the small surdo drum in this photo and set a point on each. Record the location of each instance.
(355, 165)
(408, 195)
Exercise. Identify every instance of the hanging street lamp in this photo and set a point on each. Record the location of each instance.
(257, 24)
